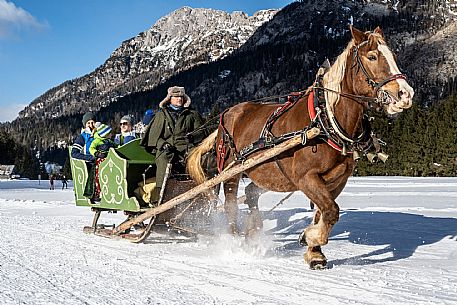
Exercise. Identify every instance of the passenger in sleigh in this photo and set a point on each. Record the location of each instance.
(173, 132)
(140, 127)
(127, 133)
(81, 145)
(99, 148)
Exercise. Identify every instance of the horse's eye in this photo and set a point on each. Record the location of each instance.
(372, 57)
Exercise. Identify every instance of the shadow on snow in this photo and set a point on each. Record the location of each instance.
(400, 233)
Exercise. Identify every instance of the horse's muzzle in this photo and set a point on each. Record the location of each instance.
(403, 100)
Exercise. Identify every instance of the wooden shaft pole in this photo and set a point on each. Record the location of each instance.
(223, 176)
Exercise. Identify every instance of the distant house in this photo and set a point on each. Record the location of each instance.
(6, 171)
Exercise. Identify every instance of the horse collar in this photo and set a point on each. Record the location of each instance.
(332, 132)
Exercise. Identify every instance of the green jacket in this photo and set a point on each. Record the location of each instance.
(163, 129)
(101, 145)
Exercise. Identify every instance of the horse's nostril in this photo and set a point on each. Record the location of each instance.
(403, 94)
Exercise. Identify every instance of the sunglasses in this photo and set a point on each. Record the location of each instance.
(124, 123)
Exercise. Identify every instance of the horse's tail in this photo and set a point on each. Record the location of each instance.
(193, 164)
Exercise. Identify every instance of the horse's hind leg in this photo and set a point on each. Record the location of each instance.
(231, 204)
(254, 222)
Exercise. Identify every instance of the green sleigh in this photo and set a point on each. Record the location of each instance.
(119, 175)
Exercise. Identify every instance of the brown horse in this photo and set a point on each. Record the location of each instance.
(365, 73)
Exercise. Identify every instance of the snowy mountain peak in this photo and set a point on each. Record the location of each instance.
(176, 42)
(188, 25)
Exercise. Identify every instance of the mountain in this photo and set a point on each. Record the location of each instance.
(185, 38)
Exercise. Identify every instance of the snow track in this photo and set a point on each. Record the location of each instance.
(384, 250)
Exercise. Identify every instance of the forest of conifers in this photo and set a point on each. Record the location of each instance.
(420, 142)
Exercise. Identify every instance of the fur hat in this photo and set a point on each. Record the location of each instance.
(87, 117)
(103, 130)
(127, 118)
(175, 91)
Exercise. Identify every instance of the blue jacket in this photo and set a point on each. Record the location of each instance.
(121, 139)
(80, 148)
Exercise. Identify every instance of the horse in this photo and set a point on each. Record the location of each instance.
(364, 75)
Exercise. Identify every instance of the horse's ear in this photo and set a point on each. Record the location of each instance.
(379, 31)
(358, 35)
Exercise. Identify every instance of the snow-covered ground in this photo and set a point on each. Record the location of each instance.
(395, 243)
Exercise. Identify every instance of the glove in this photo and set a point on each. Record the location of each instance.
(100, 154)
(190, 138)
(167, 147)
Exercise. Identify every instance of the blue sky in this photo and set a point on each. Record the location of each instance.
(46, 42)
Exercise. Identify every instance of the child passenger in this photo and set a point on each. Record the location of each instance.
(99, 148)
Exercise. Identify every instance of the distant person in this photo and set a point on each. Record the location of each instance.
(80, 147)
(51, 182)
(99, 149)
(64, 182)
(127, 134)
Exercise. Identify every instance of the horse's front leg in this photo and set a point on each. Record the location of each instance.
(314, 256)
(231, 204)
(326, 215)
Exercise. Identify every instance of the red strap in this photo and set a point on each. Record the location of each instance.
(221, 154)
(312, 115)
(311, 110)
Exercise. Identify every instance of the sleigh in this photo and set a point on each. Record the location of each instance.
(122, 175)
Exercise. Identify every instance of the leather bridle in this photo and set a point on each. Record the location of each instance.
(382, 96)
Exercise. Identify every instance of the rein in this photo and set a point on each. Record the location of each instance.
(264, 100)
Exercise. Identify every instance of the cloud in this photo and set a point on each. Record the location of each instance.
(14, 19)
(10, 111)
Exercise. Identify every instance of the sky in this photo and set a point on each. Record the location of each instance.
(44, 43)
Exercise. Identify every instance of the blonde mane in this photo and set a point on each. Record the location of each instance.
(334, 76)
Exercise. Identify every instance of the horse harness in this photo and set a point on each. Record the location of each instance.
(317, 110)
(331, 131)
(266, 139)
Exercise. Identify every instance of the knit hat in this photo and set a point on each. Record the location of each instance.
(148, 115)
(126, 118)
(103, 130)
(175, 91)
(87, 117)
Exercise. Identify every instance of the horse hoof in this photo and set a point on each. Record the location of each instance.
(318, 265)
(233, 229)
(302, 239)
(253, 234)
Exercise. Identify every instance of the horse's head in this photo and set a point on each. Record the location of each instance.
(376, 72)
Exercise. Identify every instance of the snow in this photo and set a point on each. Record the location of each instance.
(395, 243)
